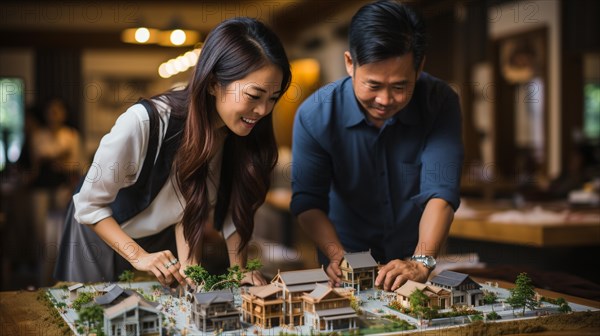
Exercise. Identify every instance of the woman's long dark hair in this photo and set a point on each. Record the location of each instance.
(232, 50)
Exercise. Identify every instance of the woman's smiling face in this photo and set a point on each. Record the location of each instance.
(242, 103)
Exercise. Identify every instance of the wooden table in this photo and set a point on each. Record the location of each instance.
(573, 231)
(537, 235)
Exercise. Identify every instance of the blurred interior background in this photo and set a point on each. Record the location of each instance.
(527, 73)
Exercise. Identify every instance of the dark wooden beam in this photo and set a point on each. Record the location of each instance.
(71, 39)
(296, 17)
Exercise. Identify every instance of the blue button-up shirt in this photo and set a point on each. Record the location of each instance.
(374, 182)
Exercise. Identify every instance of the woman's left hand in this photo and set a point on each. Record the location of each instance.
(254, 278)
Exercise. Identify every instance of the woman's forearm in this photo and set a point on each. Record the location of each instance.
(109, 230)
(236, 257)
(183, 249)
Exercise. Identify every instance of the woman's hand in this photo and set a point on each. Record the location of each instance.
(187, 280)
(163, 265)
(254, 278)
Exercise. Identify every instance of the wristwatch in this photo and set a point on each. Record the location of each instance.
(427, 261)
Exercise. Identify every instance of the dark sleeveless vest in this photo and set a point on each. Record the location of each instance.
(82, 255)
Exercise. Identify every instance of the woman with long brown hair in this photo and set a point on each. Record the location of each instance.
(182, 166)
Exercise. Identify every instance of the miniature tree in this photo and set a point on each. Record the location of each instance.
(563, 305)
(523, 295)
(418, 302)
(253, 265)
(200, 276)
(82, 298)
(92, 316)
(232, 279)
(206, 282)
(490, 298)
(62, 307)
(493, 316)
(126, 276)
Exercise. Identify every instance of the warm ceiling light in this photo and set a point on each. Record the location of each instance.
(179, 38)
(141, 35)
(179, 64)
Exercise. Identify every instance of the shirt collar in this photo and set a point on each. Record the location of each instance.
(355, 115)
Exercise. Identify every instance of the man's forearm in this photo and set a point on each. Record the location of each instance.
(434, 226)
(322, 232)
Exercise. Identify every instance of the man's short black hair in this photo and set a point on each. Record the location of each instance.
(386, 29)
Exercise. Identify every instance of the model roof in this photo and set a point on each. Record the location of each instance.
(303, 276)
(103, 288)
(320, 291)
(114, 293)
(360, 260)
(128, 304)
(410, 286)
(449, 278)
(214, 297)
(264, 291)
(75, 286)
(109, 296)
(343, 312)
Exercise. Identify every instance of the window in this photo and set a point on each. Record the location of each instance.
(149, 325)
(12, 120)
(591, 116)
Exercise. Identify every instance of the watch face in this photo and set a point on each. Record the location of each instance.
(428, 261)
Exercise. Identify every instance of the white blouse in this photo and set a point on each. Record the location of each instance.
(118, 163)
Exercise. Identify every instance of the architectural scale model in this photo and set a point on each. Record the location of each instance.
(299, 302)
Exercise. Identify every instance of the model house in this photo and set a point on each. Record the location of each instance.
(113, 294)
(358, 270)
(133, 316)
(74, 290)
(464, 290)
(263, 305)
(438, 296)
(294, 284)
(126, 312)
(328, 309)
(215, 311)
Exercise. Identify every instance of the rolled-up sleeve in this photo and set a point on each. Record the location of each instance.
(311, 165)
(442, 157)
(116, 164)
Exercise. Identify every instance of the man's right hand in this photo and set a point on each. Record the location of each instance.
(334, 273)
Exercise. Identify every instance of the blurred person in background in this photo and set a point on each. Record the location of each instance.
(56, 162)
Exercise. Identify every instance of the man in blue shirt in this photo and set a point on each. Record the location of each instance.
(377, 156)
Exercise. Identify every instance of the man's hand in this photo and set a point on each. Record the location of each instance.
(334, 273)
(395, 273)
